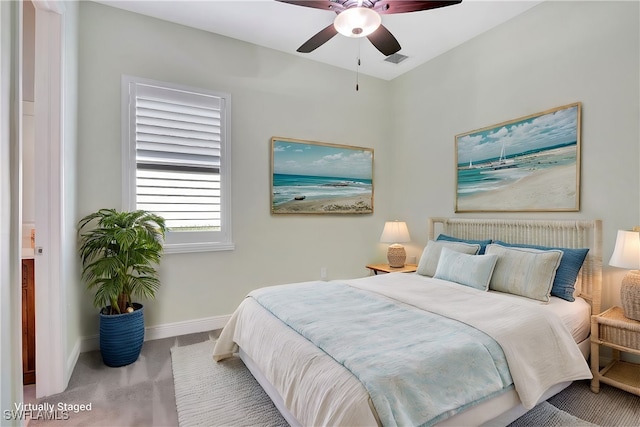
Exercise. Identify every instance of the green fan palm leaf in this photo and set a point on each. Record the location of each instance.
(120, 252)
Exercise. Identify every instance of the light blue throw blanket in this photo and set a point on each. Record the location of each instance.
(418, 367)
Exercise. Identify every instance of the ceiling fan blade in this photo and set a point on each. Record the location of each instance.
(384, 41)
(316, 4)
(404, 6)
(318, 40)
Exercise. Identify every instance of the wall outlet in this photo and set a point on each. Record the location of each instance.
(323, 273)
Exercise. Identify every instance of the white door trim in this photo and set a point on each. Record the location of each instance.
(10, 207)
(51, 336)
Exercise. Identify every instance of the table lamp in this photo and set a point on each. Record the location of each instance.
(626, 254)
(395, 232)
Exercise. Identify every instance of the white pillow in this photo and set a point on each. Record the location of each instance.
(524, 271)
(469, 270)
(431, 254)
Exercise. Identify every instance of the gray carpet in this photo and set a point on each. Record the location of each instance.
(226, 394)
(140, 394)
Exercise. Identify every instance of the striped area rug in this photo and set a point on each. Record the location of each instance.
(218, 394)
(545, 414)
(226, 394)
(611, 407)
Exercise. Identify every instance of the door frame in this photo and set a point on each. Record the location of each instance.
(52, 374)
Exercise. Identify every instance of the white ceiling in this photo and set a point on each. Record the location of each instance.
(284, 27)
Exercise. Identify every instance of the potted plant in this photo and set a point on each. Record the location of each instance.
(120, 252)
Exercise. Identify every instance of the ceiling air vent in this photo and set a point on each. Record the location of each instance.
(396, 58)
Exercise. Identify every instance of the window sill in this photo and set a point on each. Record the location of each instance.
(183, 248)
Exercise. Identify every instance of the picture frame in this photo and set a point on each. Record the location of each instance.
(310, 177)
(528, 164)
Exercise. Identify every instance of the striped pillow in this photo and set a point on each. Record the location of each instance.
(469, 270)
(431, 254)
(524, 271)
(567, 273)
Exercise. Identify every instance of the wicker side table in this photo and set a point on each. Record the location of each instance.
(621, 334)
(385, 268)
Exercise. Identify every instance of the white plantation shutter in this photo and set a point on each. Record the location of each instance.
(178, 140)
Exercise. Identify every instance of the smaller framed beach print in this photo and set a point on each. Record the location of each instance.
(320, 178)
(530, 164)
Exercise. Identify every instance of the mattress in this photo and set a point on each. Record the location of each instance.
(275, 352)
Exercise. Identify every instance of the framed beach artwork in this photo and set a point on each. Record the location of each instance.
(523, 165)
(320, 178)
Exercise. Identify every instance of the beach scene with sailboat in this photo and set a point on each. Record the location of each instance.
(527, 164)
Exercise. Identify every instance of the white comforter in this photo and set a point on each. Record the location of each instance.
(538, 348)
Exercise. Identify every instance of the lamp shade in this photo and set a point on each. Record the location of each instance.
(626, 253)
(395, 232)
(357, 22)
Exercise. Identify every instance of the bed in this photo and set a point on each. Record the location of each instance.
(505, 353)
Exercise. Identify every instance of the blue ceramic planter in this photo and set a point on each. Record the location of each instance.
(121, 337)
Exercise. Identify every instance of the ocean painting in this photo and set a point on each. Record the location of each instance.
(527, 164)
(319, 178)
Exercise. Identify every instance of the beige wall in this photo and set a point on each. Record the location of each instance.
(273, 94)
(554, 54)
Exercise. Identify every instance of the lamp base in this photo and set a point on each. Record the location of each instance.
(396, 256)
(630, 295)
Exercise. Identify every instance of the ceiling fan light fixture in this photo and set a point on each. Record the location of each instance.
(357, 22)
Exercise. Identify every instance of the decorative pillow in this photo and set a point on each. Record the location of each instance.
(469, 270)
(524, 271)
(431, 254)
(483, 243)
(567, 274)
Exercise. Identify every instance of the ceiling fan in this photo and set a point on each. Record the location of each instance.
(361, 18)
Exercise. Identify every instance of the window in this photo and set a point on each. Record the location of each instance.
(176, 161)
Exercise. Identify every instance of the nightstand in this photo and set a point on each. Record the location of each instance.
(613, 330)
(385, 268)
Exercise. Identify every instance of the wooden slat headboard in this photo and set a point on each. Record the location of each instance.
(557, 233)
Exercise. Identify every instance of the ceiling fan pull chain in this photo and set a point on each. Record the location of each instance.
(358, 67)
(357, 74)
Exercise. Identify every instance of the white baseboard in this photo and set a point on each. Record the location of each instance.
(71, 362)
(167, 330)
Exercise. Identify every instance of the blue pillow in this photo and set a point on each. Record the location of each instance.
(483, 243)
(567, 273)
